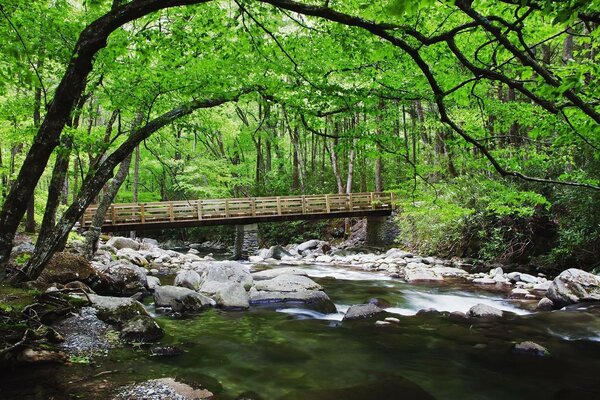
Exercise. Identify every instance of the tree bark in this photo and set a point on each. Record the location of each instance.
(92, 236)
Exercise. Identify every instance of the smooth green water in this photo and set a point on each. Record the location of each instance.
(300, 354)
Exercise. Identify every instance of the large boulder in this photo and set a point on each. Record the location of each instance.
(119, 242)
(132, 256)
(314, 299)
(573, 286)
(67, 267)
(272, 273)
(153, 282)
(277, 252)
(141, 329)
(308, 245)
(287, 283)
(232, 295)
(421, 274)
(224, 271)
(181, 299)
(127, 279)
(116, 310)
(361, 311)
(188, 279)
(484, 311)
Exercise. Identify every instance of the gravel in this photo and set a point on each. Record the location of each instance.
(83, 332)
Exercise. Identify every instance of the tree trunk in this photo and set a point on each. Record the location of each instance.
(136, 179)
(92, 236)
(30, 220)
(379, 160)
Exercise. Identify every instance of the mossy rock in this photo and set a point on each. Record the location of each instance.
(67, 267)
(117, 310)
(142, 329)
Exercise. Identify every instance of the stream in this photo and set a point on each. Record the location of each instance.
(289, 352)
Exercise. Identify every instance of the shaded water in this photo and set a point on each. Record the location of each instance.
(287, 352)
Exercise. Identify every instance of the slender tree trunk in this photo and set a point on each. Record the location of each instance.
(379, 159)
(30, 220)
(92, 236)
(136, 178)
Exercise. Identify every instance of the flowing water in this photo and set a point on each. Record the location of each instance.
(288, 352)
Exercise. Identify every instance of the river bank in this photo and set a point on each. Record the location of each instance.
(279, 326)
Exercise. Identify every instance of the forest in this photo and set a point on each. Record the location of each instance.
(486, 128)
(481, 117)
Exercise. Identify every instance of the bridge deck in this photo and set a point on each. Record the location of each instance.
(179, 214)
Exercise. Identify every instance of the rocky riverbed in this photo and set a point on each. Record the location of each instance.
(131, 283)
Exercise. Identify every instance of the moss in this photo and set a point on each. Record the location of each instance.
(15, 299)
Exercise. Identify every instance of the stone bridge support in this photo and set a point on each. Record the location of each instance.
(381, 231)
(246, 241)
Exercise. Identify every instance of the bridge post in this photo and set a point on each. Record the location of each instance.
(381, 231)
(246, 241)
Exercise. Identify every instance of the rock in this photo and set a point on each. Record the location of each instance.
(530, 348)
(573, 286)
(542, 287)
(496, 272)
(153, 282)
(324, 259)
(429, 310)
(166, 351)
(23, 248)
(274, 272)
(232, 295)
(276, 252)
(150, 242)
(224, 271)
(67, 267)
(392, 320)
(382, 323)
(484, 281)
(37, 356)
(421, 274)
(361, 311)
(545, 304)
(141, 329)
(528, 278)
(308, 245)
(381, 303)
(448, 271)
(127, 279)
(287, 283)
(181, 299)
(484, 311)
(188, 279)
(162, 389)
(132, 256)
(314, 299)
(514, 276)
(255, 259)
(119, 242)
(518, 293)
(458, 316)
(116, 310)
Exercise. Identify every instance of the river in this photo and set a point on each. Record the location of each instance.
(288, 352)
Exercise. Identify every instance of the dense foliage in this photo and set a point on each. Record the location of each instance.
(483, 116)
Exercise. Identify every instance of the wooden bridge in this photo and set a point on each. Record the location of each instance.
(181, 214)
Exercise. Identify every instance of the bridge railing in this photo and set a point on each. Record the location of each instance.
(204, 209)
